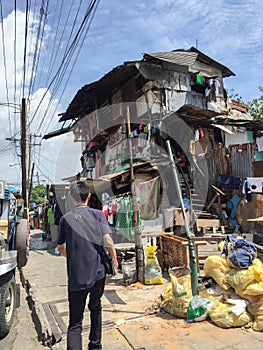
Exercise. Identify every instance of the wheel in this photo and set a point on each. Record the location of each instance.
(22, 242)
(7, 304)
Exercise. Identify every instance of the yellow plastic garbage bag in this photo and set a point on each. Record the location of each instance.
(153, 271)
(240, 279)
(223, 316)
(258, 323)
(254, 289)
(256, 310)
(217, 268)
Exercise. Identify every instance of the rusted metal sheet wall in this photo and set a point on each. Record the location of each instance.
(236, 161)
(222, 163)
(241, 159)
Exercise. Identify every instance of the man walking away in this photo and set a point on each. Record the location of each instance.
(86, 274)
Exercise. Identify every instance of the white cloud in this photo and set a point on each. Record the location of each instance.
(11, 70)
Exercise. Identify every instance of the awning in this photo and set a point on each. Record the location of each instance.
(57, 132)
(222, 127)
(104, 182)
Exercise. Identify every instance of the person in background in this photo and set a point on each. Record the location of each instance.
(52, 227)
(36, 218)
(86, 273)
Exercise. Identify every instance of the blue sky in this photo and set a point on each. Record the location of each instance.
(229, 31)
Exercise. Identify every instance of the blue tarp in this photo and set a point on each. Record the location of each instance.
(13, 189)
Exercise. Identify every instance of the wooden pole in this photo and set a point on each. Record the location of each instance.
(139, 252)
(24, 153)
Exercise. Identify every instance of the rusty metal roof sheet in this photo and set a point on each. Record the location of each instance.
(57, 132)
(107, 85)
(188, 58)
(181, 58)
(194, 115)
(83, 102)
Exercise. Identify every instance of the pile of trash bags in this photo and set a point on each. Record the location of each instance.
(231, 292)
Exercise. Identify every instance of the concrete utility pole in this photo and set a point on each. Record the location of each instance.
(24, 153)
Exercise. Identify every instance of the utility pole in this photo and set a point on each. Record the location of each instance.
(38, 180)
(31, 166)
(31, 181)
(24, 150)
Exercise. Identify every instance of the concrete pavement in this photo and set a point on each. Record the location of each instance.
(129, 322)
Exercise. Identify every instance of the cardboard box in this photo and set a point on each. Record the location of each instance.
(179, 218)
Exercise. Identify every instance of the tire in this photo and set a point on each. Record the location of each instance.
(22, 242)
(7, 305)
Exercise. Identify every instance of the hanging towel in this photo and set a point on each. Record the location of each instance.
(259, 141)
(149, 194)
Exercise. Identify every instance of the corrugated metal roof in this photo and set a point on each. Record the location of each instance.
(105, 86)
(188, 58)
(84, 99)
(181, 58)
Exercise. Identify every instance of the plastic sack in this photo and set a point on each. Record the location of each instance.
(240, 279)
(239, 251)
(254, 289)
(198, 309)
(250, 298)
(248, 283)
(258, 323)
(223, 316)
(256, 310)
(178, 295)
(217, 268)
(153, 272)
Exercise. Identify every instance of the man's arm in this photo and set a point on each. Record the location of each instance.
(62, 249)
(110, 246)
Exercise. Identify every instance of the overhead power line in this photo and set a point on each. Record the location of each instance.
(71, 70)
(25, 51)
(68, 55)
(5, 67)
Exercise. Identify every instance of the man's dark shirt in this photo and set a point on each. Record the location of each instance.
(83, 261)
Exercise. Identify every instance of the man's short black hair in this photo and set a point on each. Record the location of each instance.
(79, 190)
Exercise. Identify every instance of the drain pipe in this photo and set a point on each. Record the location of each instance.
(193, 264)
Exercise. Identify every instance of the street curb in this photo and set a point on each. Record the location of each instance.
(41, 324)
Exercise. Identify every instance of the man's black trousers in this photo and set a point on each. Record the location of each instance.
(77, 303)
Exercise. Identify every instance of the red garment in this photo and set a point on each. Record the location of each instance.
(105, 211)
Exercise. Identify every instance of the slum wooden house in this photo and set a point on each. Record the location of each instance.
(177, 96)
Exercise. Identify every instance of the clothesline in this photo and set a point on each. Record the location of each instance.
(121, 195)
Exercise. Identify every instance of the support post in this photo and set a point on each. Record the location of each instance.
(192, 257)
(139, 252)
